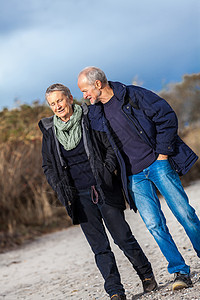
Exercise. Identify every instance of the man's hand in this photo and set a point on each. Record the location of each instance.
(162, 157)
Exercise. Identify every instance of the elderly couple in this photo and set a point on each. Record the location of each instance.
(121, 148)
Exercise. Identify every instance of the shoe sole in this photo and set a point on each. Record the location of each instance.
(178, 285)
(151, 290)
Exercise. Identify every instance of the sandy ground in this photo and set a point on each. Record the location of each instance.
(61, 265)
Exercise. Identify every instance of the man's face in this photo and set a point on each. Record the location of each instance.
(91, 92)
(61, 105)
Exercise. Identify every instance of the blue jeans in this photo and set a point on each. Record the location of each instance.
(120, 231)
(143, 186)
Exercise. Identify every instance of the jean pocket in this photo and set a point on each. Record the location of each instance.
(134, 180)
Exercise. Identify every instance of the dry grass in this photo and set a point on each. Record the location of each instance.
(27, 202)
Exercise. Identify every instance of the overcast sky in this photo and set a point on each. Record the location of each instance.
(48, 41)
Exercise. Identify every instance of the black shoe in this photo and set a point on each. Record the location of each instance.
(181, 281)
(149, 284)
(118, 297)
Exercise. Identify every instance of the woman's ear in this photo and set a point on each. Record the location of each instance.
(71, 99)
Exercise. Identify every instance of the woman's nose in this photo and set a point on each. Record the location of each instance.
(59, 105)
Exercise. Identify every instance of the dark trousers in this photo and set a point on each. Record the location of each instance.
(120, 231)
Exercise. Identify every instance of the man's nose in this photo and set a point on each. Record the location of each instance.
(85, 96)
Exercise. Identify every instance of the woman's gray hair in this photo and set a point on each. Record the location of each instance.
(92, 74)
(57, 87)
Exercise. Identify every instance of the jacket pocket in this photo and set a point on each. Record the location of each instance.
(67, 195)
(104, 175)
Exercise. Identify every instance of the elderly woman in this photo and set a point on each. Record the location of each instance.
(80, 166)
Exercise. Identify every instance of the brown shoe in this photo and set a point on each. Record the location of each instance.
(118, 297)
(149, 284)
(181, 281)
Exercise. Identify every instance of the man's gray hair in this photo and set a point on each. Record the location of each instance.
(92, 74)
(57, 87)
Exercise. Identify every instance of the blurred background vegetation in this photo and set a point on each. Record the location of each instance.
(28, 206)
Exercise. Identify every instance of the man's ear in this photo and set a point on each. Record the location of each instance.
(98, 84)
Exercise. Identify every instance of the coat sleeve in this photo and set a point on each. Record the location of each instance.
(47, 165)
(96, 120)
(163, 118)
(65, 193)
(109, 157)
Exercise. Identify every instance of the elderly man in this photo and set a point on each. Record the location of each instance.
(80, 165)
(142, 129)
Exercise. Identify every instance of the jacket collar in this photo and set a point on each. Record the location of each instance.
(84, 107)
(46, 123)
(119, 89)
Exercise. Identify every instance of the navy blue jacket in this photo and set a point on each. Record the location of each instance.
(154, 121)
(102, 160)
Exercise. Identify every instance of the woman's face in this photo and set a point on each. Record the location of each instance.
(61, 105)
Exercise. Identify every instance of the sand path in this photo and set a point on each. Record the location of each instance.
(61, 265)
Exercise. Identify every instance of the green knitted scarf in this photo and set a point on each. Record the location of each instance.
(69, 134)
